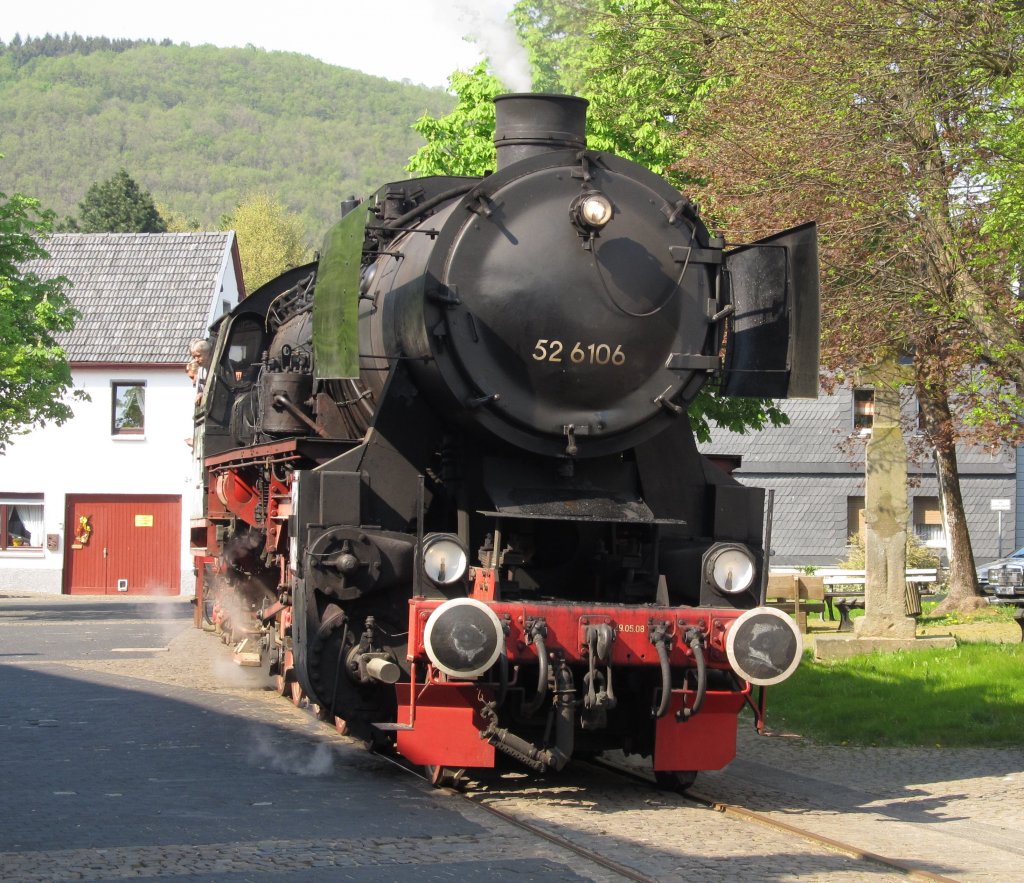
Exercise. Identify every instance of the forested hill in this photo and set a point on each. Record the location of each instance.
(200, 127)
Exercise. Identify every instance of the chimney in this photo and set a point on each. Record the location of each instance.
(529, 124)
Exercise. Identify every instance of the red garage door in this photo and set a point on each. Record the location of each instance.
(122, 545)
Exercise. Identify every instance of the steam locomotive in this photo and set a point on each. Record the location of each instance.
(452, 494)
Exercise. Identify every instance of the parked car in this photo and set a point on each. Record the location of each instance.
(1003, 579)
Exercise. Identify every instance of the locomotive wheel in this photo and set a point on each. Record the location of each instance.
(323, 713)
(296, 693)
(675, 780)
(446, 777)
(207, 617)
(280, 684)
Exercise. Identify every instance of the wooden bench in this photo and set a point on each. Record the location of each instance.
(845, 590)
(796, 593)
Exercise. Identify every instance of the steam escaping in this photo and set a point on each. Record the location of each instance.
(297, 758)
(486, 22)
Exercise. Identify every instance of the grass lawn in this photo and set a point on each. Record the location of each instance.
(972, 695)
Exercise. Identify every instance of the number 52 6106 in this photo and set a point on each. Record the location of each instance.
(579, 353)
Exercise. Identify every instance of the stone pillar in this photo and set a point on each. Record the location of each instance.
(885, 514)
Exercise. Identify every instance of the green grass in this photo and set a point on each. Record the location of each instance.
(972, 695)
(995, 613)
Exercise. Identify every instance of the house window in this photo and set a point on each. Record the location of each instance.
(128, 411)
(928, 522)
(855, 517)
(21, 521)
(863, 409)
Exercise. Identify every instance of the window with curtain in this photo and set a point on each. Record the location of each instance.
(21, 522)
(128, 407)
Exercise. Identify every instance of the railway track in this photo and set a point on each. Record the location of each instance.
(728, 809)
(492, 802)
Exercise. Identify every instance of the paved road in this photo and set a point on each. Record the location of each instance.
(130, 751)
(133, 748)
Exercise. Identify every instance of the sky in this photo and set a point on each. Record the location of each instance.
(422, 41)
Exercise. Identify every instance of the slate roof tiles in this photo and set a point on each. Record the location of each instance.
(143, 296)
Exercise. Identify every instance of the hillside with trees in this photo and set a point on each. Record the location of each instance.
(201, 127)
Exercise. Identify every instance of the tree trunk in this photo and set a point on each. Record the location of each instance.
(962, 593)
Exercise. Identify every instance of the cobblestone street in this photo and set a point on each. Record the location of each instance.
(134, 748)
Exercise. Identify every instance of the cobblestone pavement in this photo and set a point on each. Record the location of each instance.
(133, 747)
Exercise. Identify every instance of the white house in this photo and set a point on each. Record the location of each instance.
(102, 504)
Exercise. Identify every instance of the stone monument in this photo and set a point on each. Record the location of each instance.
(887, 624)
(885, 516)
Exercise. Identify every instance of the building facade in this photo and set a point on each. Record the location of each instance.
(815, 466)
(102, 504)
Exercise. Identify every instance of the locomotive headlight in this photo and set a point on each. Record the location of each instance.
(729, 567)
(444, 558)
(591, 210)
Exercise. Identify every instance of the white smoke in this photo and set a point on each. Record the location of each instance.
(486, 22)
(297, 758)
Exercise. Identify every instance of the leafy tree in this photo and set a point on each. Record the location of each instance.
(34, 372)
(878, 118)
(641, 86)
(895, 123)
(270, 238)
(118, 205)
(462, 141)
(179, 222)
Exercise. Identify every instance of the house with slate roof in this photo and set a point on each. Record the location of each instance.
(102, 504)
(815, 466)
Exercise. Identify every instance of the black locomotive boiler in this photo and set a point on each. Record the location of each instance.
(453, 495)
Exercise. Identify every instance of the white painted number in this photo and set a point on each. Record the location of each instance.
(580, 353)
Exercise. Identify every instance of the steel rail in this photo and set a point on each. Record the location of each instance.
(477, 800)
(748, 815)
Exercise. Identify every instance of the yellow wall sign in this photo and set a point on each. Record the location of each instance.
(143, 520)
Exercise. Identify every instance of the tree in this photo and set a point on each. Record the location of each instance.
(118, 205)
(872, 116)
(460, 142)
(270, 238)
(641, 84)
(179, 222)
(34, 371)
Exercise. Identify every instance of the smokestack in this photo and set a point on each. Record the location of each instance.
(528, 124)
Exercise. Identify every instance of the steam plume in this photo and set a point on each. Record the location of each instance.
(487, 23)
